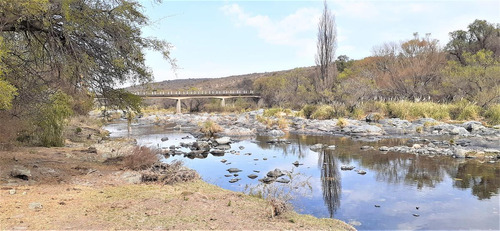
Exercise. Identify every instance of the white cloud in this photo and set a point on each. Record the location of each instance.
(289, 30)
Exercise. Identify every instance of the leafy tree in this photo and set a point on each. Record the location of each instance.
(480, 35)
(289, 89)
(478, 80)
(343, 62)
(76, 46)
(326, 47)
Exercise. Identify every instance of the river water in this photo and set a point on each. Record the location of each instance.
(450, 193)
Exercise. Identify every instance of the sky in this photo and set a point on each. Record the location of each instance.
(223, 38)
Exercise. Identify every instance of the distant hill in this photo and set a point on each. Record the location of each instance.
(235, 82)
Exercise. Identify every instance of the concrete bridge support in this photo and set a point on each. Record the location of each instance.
(178, 107)
(223, 102)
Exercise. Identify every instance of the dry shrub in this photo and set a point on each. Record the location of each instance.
(209, 128)
(278, 207)
(141, 158)
(169, 173)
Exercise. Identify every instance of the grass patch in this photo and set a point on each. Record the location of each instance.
(342, 122)
(492, 114)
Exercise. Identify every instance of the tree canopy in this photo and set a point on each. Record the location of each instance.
(78, 47)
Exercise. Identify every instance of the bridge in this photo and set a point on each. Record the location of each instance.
(179, 95)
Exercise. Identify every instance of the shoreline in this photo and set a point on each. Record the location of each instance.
(74, 187)
(425, 136)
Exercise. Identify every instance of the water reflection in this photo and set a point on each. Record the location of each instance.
(483, 179)
(451, 193)
(331, 181)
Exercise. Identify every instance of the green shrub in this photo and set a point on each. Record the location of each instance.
(308, 110)
(323, 112)
(51, 120)
(492, 114)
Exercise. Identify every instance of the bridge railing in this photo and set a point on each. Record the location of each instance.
(197, 93)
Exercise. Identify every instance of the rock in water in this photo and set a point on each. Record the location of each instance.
(283, 180)
(346, 168)
(361, 172)
(232, 170)
(252, 176)
(275, 173)
(164, 139)
(316, 147)
(223, 140)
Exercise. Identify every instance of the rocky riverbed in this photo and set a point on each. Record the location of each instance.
(425, 136)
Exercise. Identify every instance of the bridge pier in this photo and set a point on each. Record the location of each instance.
(223, 102)
(178, 107)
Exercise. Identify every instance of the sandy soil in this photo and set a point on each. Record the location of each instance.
(71, 188)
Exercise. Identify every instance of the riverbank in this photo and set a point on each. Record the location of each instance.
(74, 187)
(426, 136)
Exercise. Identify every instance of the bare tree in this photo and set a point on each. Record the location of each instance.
(326, 46)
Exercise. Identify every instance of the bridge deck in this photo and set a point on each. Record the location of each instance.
(197, 94)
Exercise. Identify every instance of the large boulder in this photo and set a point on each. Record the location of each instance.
(473, 126)
(20, 172)
(223, 140)
(275, 173)
(366, 129)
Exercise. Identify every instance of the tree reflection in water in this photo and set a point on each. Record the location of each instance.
(330, 180)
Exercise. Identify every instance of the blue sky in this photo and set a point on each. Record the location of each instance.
(223, 38)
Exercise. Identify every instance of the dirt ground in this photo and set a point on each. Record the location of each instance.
(71, 188)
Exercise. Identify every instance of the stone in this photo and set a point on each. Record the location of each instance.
(283, 180)
(35, 206)
(361, 172)
(275, 173)
(20, 172)
(416, 146)
(234, 180)
(223, 140)
(252, 176)
(366, 129)
(346, 167)
(384, 149)
(217, 152)
(276, 132)
(371, 117)
(267, 180)
(233, 170)
(316, 147)
(366, 147)
(331, 147)
(459, 152)
(459, 131)
(164, 139)
(132, 177)
(12, 191)
(473, 126)
(296, 163)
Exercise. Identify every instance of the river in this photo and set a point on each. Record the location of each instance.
(398, 191)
